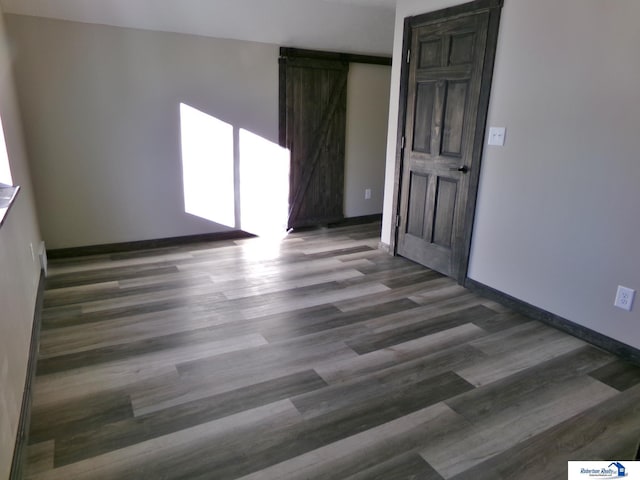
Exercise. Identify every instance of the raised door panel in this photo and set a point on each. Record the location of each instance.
(446, 194)
(453, 121)
(417, 204)
(461, 49)
(423, 123)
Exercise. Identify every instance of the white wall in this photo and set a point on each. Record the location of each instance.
(19, 272)
(557, 222)
(102, 108)
(366, 137)
(101, 105)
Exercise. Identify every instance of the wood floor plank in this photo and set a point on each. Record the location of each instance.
(498, 433)
(368, 255)
(523, 335)
(408, 466)
(72, 417)
(513, 393)
(308, 295)
(309, 280)
(384, 263)
(360, 450)
(61, 317)
(337, 252)
(383, 382)
(401, 279)
(437, 344)
(315, 300)
(338, 319)
(163, 278)
(374, 298)
(331, 427)
(437, 308)
(315, 357)
(113, 290)
(71, 295)
(433, 294)
(230, 272)
(98, 439)
(502, 321)
(124, 329)
(390, 278)
(150, 458)
(39, 458)
(57, 389)
(307, 436)
(605, 431)
(619, 374)
(75, 279)
(376, 341)
(82, 381)
(105, 262)
(164, 344)
(334, 248)
(151, 296)
(206, 377)
(508, 359)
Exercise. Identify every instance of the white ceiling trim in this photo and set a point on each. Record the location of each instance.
(357, 26)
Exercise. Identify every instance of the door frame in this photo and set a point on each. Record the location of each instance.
(313, 59)
(493, 7)
(311, 55)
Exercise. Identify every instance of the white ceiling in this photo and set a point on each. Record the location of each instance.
(388, 4)
(358, 26)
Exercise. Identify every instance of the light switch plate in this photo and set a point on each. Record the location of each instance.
(496, 136)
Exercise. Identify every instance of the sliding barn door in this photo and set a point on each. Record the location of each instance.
(315, 99)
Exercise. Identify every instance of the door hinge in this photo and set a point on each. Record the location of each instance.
(402, 142)
(409, 56)
(397, 221)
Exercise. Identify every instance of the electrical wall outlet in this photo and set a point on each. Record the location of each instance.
(367, 194)
(624, 298)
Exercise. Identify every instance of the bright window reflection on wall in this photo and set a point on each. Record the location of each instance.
(207, 166)
(5, 170)
(264, 186)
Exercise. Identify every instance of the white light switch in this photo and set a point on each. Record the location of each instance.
(496, 136)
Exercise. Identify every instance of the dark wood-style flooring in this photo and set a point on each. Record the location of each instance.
(320, 357)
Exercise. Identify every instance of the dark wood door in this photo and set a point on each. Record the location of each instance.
(316, 104)
(443, 132)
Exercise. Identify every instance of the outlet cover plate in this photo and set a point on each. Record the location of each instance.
(624, 298)
(496, 136)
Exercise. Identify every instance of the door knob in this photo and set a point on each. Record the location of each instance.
(461, 168)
